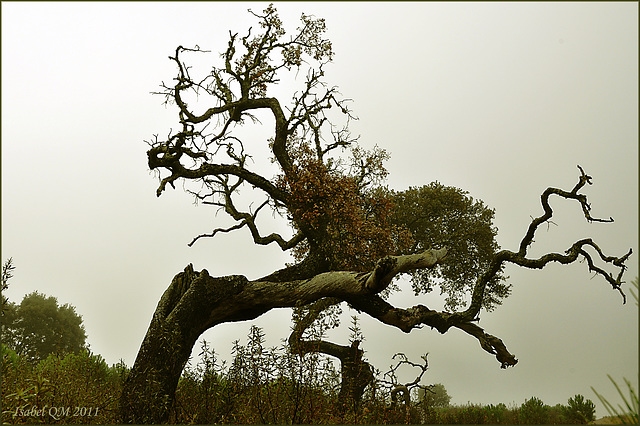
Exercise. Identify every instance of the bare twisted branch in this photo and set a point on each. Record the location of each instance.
(570, 255)
(416, 316)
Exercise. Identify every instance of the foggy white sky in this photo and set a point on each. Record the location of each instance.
(502, 100)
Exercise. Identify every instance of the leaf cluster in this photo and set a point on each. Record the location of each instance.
(580, 410)
(350, 216)
(444, 216)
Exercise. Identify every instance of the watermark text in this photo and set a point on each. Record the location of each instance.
(56, 413)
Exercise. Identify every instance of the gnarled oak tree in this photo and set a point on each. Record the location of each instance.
(350, 236)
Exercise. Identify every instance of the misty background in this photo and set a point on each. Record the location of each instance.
(500, 99)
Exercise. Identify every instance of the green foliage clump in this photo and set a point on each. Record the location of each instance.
(7, 273)
(467, 414)
(78, 388)
(261, 385)
(496, 413)
(38, 326)
(439, 216)
(580, 410)
(534, 411)
(435, 396)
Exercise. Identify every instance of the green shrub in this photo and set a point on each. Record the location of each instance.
(260, 386)
(17, 388)
(495, 414)
(78, 388)
(466, 414)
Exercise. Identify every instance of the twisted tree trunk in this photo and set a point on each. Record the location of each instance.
(195, 302)
(180, 318)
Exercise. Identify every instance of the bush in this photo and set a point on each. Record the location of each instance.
(496, 413)
(262, 385)
(467, 414)
(78, 388)
(17, 390)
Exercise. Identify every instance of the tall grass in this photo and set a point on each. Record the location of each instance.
(627, 414)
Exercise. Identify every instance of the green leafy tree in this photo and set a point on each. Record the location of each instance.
(39, 327)
(443, 216)
(436, 396)
(430, 216)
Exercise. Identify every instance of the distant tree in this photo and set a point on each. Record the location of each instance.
(580, 410)
(345, 240)
(534, 411)
(39, 327)
(436, 396)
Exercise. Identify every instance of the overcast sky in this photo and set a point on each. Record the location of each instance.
(502, 100)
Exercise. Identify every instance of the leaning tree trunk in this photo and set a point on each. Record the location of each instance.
(148, 392)
(181, 316)
(195, 302)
